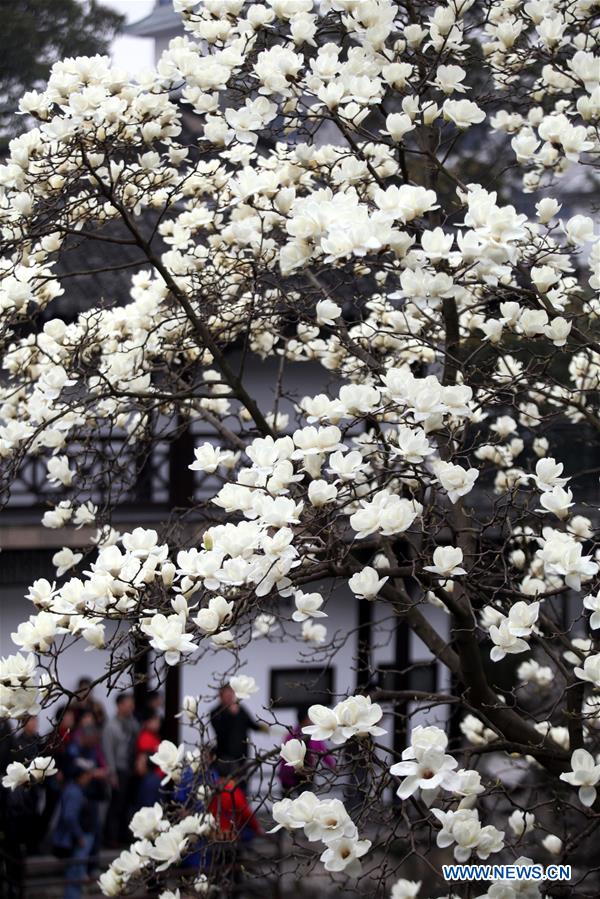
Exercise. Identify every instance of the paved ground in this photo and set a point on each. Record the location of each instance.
(276, 868)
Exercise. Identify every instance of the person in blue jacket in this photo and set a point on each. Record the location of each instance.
(76, 827)
(186, 794)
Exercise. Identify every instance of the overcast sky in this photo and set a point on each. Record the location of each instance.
(132, 53)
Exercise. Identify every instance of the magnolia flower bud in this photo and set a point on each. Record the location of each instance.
(293, 753)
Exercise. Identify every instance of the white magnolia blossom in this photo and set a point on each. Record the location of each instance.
(429, 771)
(593, 604)
(18, 774)
(366, 584)
(208, 458)
(314, 633)
(532, 672)
(326, 821)
(509, 634)
(552, 844)
(455, 479)
(590, 670)
(354, 716)
(447, 562)
(65, 559)
(293, 753)
(344, 854)
(243, 686)
(425, 765)
(585, 774)
(169, 758)
(308, 605)
(167, 634)
(405, 889)
(147, 822)
(521, 822)
(463, 828)
(327, 312)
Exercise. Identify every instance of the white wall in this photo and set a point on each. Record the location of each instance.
(263, 655)
(203, 678)
(258, 658)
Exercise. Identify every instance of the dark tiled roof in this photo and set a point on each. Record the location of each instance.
(93, 269)
(162, 19)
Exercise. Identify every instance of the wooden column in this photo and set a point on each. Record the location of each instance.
(401, 662)
(181, 496)
(363, 649)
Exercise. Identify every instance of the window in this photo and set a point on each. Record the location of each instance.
(23, 566)
(295, 687)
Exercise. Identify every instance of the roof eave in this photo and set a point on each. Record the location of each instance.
(159, 21)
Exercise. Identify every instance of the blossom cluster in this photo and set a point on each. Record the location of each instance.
(355, 716)
(324, 820)
(158, 844)
(427, 768)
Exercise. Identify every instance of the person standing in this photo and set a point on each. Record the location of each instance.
(292, 780)
(192, 791)
(73, 836)
(154, 704)
(27, 740)
(237, 826)
(12, 850)
(118, 743)
(26, 803)
(230, 809)
(56, 743)
(85, 701)
(86, 745)
(148, 774)
(231, 724)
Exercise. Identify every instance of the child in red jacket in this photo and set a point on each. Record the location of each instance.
(148, 774)
(234, 816)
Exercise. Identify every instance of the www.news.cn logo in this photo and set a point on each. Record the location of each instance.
(506, 872)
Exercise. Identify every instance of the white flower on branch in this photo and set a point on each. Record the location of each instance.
(447, 562)
(585, 774)
(167, 635)
(344, 854)
(366, 584)
(308, 605)
(293, 752)
(243, 686)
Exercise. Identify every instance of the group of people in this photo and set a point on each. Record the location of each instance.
(106, 773)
